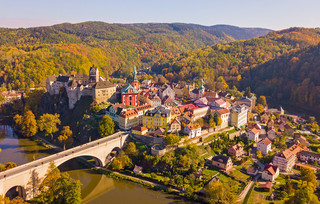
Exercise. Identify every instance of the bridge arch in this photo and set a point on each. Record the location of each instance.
(98, 161)
(16, 191)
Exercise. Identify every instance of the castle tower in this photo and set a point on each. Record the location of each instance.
(201, 89)
(94, 74)
(135, 82)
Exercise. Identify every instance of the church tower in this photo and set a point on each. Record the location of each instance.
(135, 82)
(94, 74)
(201, 89)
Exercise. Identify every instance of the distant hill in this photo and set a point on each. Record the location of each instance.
(282, 64)
(27, 56)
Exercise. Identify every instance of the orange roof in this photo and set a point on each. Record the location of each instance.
(270, 168)
(144, 107)
(266, 141)
(223, 111)
(140, 128)
(255, 131)
(193, 126)
(220, 101)
(175, 110)
(293, 150)
(128, 113)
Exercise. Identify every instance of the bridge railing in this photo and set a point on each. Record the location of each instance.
(50, 158)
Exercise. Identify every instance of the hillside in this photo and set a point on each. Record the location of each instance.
(235, 60)
(293, 77)
(27, 56)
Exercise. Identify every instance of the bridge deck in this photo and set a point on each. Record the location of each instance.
(59, 155)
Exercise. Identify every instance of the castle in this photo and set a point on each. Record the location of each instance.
(77, 85)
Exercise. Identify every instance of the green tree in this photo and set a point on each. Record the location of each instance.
(309, 176)
(259, 154)
(262, 100)
(48, 123)
(65, 136)
(33, 99)
(247, 92)
(217, 120)
(106, 126)
(131, 149)
(259, 108)
(27, 124)
(221, 193)
(172, 139)
(304, 195)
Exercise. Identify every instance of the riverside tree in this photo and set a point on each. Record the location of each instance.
(27, 124)
(65, 136)
(106, 126)
(48, 123)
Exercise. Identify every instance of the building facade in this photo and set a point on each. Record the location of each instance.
(239, 116)
(159, 117)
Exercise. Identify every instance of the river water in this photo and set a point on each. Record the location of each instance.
(96, 188)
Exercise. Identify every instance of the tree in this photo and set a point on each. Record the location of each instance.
(259, 154)
(221, 193)
(106, 126)
(304, 195)
(259, 108)
(27, 124)
(10, 165)
(262, 100)
(33, 99)
(117, 164)
(65, 136)
(247, 92)
(217, 120)
(308, 175)
(34, 184)
(48, 123)
(172, 139)
(131, 149)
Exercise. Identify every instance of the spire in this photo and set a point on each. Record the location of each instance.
(134, 74)
(202, 87)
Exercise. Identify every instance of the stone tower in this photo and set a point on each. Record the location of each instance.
(94, 74)
(135, 82)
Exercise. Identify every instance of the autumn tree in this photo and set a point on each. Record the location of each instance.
(262, 100)
(65, 136)
(48, 123)
(27, 124)
(10, 165)
(33, 99)
(247, 92)
(34, 184)
(221, 84)
(221, 192)
(217, 120)
(106, 126)
(172, 139)
(259, 108)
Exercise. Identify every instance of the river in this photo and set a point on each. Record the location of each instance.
(96, 188)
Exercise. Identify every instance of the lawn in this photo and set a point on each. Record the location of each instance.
(210, 138)
(260, 197)
(246, 164)
(238, 175)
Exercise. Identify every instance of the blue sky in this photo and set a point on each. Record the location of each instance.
(273, 14)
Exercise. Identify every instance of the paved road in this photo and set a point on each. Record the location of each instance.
(59, 155)
(245, 191)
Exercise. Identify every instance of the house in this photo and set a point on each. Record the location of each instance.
(253, 134)
(113, 111)
(142, 110)
(128, 119)
(219, 103)
(270, 123)
(289, 129)
(158, 117)
(224, 114)
(193, 130)
(198, 92)
(175, 126)
(236, 150)
(252, 171)
(264, 117)
(139, 130)
(301, 139)
(201, 102)
(166, 90)
(271, 133)
(137, 169)
(146, 82)
(266, 186)
(223, 162)
(286, 159)
(154, 100)
(309, 156)
(129, 96)
(198, 112)
(239, 116)
(254, 125)
(264, 146)
(270, 172)
(245, 101)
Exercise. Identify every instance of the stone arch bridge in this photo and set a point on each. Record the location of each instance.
(99, 149)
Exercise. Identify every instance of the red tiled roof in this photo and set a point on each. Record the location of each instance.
(220, 101)
(270, 168)
(144, 107)
(223, 111)
(266, 141)
(128, 113)
(140, 128)
(191, 106)
(255, 131)
(266, 185)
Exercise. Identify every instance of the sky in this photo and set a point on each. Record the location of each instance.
(272, 14)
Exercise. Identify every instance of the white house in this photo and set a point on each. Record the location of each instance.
(264, 146)
(224, 114)
(253, 134)
(270, 172)
(193, 130)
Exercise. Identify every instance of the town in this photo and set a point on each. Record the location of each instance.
(186, 137)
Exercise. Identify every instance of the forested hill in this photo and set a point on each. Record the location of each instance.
(293, 77)
(232, 62)
(27, 56)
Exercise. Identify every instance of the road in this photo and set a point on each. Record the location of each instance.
(245, 191)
